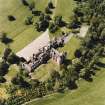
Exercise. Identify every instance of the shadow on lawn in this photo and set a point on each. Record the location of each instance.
(67, 62)
(88, 76)
(7, 40)
(100, 64)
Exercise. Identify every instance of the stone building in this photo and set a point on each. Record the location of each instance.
(57, 57)
(35, 54)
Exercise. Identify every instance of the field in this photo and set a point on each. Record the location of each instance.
(88, 93)
(17, 30)
(71, 47)
(65, 8)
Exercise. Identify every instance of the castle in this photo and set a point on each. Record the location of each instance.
(47, 51)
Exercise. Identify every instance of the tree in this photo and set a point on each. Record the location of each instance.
(102, 37)
(86, 74)
(11, 18)
(55, 75)
(2, 79)
(25, 2)
(47, 17)
(78, 53)
(3, 36)
(19, 80)
(50, 5)
(29, 20)
(78, 12)
(41, 90)
(59, 21)
(48, 11)
(53, 28)
(32, 5)
(42, 25)
(75, 23)
(35, 12)
(100, 28)
(69, 77)
(42, 17)
(4, 39)
(13, 59)
(34, 83)
(3, 68)
(54, 82)
(7, 52)
(50, 85)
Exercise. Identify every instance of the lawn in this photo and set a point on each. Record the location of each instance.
(43, 72)
(13, 71)
(65, 8)
(71, 47)
(17, 30)
(88, 93)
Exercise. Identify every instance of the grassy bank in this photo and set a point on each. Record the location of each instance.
(87, 93)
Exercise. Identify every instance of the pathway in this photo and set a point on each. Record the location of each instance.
(83, 31)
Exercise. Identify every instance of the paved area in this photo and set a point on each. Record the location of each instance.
(83, 31)
(34, 47)
(67, 38)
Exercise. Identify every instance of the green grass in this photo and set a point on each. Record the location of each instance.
(43, 72)
(17, 30)
(71, 47)
(88, 93)
(65, 8)
(13, 71)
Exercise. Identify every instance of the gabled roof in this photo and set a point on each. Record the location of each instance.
(33, 47)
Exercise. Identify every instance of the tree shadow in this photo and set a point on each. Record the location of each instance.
(88, 76)
(96, 68)
(100, 64)
(36, 13)
(11, 18)
(72, 85)
(89, 79)
(67, 62)
(4, 69)
(7, 40)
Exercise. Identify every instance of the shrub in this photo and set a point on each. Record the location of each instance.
(32, 5)
(11, 18)
(53, 28)
(13, 59)
(29, 20)
(2, 79)
(3, 68)
(4, 39)
(50, 5)
(24, 2)
(35, 12)
(7, 51)
(48, 11)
